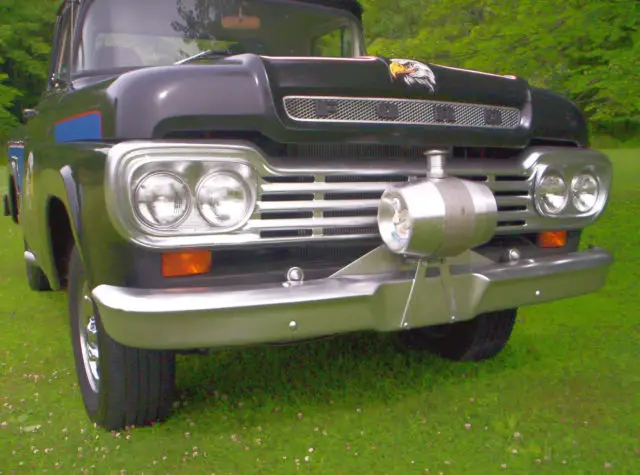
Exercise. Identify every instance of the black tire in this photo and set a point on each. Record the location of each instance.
(36, 279)
(475, 340)
(134, 387)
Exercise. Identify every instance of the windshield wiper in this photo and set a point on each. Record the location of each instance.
(209, 53)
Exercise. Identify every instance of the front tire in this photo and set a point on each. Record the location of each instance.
(121, 386)
(475, 340)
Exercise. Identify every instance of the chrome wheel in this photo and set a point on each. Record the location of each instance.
(89, 340)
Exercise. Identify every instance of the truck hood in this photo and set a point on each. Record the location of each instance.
(374, 77)
(247, 93)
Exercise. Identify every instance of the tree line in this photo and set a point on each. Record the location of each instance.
(587, 50)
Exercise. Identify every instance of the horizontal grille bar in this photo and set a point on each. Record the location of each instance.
(323, 187)
(317, 223)
(508, 186)
(318, 205)
(513, 201)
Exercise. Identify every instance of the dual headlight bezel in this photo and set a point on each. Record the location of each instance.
(565, 175)
(197, 210)
(129, 165)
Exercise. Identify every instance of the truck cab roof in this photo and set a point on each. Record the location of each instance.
(352, 6)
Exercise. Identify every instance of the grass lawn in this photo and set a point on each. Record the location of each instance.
(563, 398)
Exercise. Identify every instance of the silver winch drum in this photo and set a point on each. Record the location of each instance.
(437, 217)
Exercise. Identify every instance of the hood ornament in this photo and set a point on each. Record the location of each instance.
(413, 73)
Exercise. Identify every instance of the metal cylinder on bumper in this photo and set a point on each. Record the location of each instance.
(437, 217)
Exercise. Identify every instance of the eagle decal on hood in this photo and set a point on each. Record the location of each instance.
(413, 73)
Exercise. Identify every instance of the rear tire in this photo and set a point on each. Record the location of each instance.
(121, 386)
(475, 340)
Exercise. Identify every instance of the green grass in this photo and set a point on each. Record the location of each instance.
(563, 398)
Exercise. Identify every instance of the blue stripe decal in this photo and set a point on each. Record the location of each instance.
(81, 127)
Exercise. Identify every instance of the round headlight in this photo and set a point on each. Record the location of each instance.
(162, 200)
(552, 194)
(224, 199)
(585, 190)
(394, 222)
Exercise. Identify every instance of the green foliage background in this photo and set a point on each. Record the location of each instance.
(26, 29)
(587, 50)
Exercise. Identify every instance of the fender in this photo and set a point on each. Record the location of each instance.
(52, 185)
(72, 173)
(69, 196)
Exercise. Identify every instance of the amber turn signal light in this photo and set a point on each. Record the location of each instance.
(177, 264)
(552, 239)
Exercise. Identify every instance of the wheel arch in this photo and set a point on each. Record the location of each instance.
(62, 214)
(61, 240)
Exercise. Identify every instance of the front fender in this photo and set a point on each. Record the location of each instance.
(72, 174)
(39, 224)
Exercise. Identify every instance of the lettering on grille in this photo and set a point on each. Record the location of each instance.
(400, 111)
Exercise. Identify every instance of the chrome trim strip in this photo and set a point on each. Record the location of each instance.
(318, 223)
(205, 317)
(363, 110)
(316, 205)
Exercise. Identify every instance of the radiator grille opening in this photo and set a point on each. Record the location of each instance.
(368, 230)
(353, 196)
(349, 213)
(366, 179)
(288, 197)
(355, 210)
(286, 233)
(287, 215)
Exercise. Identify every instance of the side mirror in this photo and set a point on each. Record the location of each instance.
(28, 114)
(57, 82)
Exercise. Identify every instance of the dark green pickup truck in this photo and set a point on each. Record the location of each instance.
(205, 174)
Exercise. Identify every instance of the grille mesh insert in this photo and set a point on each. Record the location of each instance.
(400, 111)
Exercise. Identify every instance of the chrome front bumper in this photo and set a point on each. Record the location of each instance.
(379, 292)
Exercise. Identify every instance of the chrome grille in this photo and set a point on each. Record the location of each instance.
(330, 206)
(404, 111)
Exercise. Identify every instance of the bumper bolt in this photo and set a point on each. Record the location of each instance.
(293, 325)
(514, 255)
(295, 275)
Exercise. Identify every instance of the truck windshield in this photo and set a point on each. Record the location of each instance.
(137, 33)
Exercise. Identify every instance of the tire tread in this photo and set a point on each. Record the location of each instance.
(136, 385)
